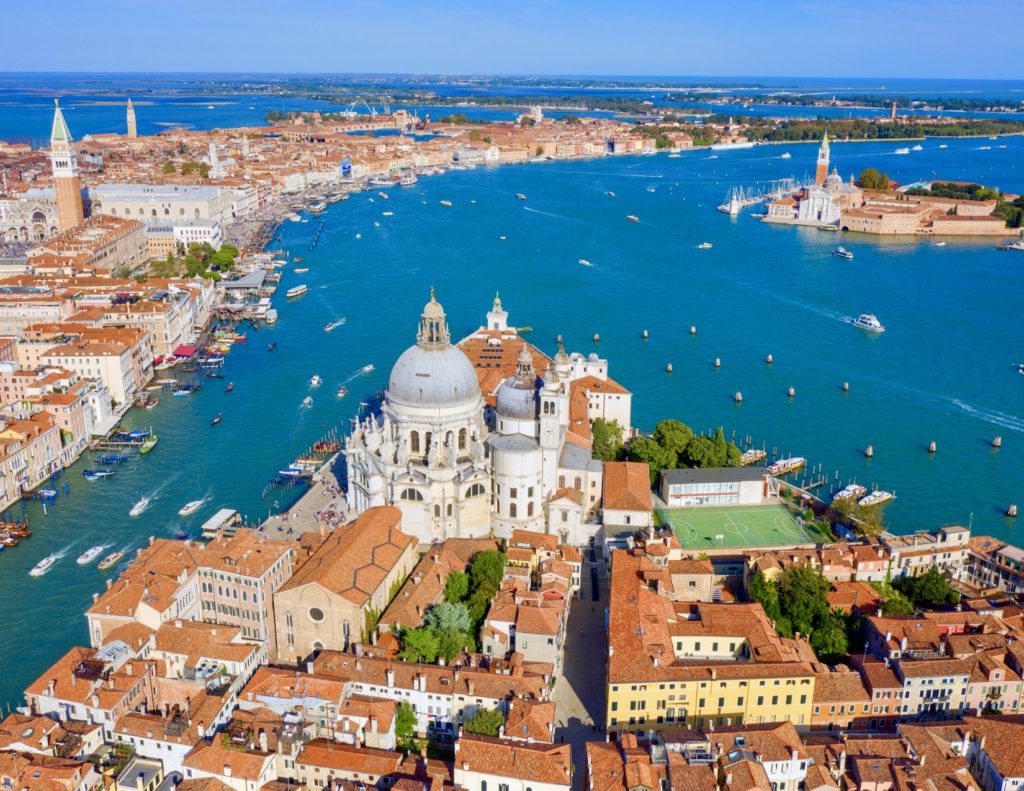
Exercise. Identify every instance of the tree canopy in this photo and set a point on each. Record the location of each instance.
(606, 438)
(448, 615)
(419, 645)
(872, 179)
(456, 587)
(673, 444)
(485, 722)
(931, 589)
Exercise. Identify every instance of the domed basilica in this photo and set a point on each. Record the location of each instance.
(484, 437)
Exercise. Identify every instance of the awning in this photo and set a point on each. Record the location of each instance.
(184, 351)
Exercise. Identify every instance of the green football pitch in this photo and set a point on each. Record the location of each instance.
(737, 527)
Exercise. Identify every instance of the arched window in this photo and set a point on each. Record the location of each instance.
(561, 481)
(38, 216)
(437, 511)
(579, 484)
(141, 211)
(475, 490)
(152, 212)
(462, 438)
(411, 494)
(114, 212)
(512, 510)
(167, 211)
(414, 442)
(529, 508)
(197, 214)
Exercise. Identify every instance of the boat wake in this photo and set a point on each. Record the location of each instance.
(361, 372)
(549, 214)
(996, 418)
(621, 175)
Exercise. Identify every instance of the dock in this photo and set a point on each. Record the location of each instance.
(324, 496)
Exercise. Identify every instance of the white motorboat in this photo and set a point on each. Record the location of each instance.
(869, 322)
(446, 203)
(315, 380)
(190, 507)
(632, 218)
(90, 555)
(330, 327)
(850, 492)
(271, 316)
(139, 507)
(297, 291)
(584, 262)
(902, 151)
(705, 246)
(787, 155)
(875, 498)
(111, 559)
(842, 252)
(307, 401)
(520, 196)
(43, 566)
(918, 147)
(366, 369)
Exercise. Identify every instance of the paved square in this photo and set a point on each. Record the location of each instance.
(736, 527)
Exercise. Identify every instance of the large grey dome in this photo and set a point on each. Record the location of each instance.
(516, 398)
(433, 372)
(433, 377)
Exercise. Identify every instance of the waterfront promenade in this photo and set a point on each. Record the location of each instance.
(323, 504)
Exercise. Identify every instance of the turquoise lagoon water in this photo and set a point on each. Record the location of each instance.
(944, 370)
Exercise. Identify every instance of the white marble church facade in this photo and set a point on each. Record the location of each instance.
(458, 467)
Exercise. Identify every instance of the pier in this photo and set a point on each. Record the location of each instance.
(324, 496)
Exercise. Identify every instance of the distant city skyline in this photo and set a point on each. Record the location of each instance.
(841, 38)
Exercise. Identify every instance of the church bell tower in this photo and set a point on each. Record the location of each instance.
(821, 171)
(66, 181)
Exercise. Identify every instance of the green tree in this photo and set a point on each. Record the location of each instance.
(405, 721)
(456, 588)
(222, 260)
(766, 592)
(673, 435)
(487, 569)
(893, 602)
(448, 615)
(802, 597)
(452, 642)
(165, 267)
(169, 168)
(606, 438)
(721, 448)
(479, 601)
(931, 589)
(700, 452)
(419, 645)
(485, 722)
(829, 639)
(648, 451)
(872, 179)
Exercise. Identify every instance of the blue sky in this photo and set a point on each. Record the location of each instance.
(867, 38)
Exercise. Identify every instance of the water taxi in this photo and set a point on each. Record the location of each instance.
(584, 262)
(446, 203)
(272, 316)
(787, 155)
(315, 380)
(191, 507)
(301, 270)
(704, 246)
(382, 195)
(139, 507)
(943, 145)
(918, 147)
(366, 369)
(387, 214)
(610, 194)
(902, 151)
(43, 566)
(869, 322)
(842, 252)
(333, 325)
(307, 401)
(520, 196)
(632, 218)
(217, 419)
(788, 465)
(296, 291)
(342, 391)
(875, 498)
(752, 456)
(111, 559)
(90, 555)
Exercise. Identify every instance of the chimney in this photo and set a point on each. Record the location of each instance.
(227, 770)
(842, 762)
(177, 623)
(151, 540)
(470, 687)
(95, 598)
(458, 674)
(390, 677)
(888, 635)
(501, 731)
(138, 782)
(50, 685)
(903, 644)
(373, 724)
(110, 582)
(359, 664)
(263, 741)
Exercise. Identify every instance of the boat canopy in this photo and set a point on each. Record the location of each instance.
(184, 351)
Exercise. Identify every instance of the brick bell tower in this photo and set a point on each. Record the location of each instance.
(821, 171)
(66, 181)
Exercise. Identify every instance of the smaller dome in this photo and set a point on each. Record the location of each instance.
(516, 398)
(593, 357)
